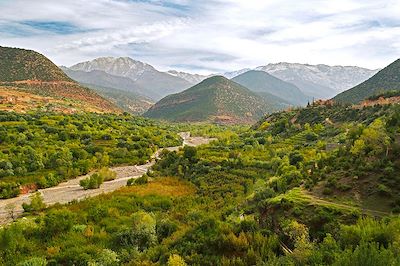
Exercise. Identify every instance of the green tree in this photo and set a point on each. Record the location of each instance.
(37, 203)
(36, 261)
(176, 260)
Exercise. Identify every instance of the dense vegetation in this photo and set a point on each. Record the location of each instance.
(47, 148)
(215, 99)
(385, 80)
(287, 192)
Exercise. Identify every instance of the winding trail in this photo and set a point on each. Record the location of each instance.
(71, 190)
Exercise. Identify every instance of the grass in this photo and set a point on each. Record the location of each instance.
(300, 196)
(168, 186)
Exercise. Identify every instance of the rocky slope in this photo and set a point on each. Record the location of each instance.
(155, 84)
(319, 81)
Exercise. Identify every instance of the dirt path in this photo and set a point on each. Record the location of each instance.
(71, 190)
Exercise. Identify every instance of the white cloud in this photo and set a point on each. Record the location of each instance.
(215, 34)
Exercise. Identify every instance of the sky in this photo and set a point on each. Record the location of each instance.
(207, 36)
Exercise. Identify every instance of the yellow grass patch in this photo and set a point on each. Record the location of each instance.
(166, 186)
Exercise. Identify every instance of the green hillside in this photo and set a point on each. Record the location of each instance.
(215, 99)
(268, 85)
(387, 79)
(30, 81)
(20, 64)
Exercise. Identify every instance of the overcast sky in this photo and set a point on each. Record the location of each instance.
(207, 36)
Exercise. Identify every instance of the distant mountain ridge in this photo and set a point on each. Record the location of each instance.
(154, 84)
(262, 82)
(315, 81)
(120, 90)
(216, 99)
(192, 78)
(120, 66)
(319, 81)
(386, 79)
(236, 73)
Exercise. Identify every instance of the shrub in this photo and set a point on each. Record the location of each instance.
(384, 190)
(35, 261)
(327, 191)
(92, 182)
(37, 203)
(165, 228)
(175, 260)
(58, 221)
(107, 174)
(295, 158)
(311, 136)
(9, 190)
(130, 181)
(144, 179)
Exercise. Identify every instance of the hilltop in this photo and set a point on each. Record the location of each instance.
(215, 99)
(385, 80)
(29, 80)
(20, 64)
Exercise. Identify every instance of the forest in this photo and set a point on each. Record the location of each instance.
(287, 191)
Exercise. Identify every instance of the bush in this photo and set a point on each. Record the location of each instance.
(107, 174)
(165, 228)
(92, 182)
(34, 262)
(144, 179)
(58, 221)
(327, 191)
(50, 180)
(37, 203)
(130, 182)
(176, 260)
(311, 136)
(9, 190)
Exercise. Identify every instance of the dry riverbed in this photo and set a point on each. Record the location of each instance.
(71, 190)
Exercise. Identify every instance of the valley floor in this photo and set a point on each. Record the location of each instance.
(71, 190)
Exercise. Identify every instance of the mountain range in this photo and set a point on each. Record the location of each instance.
(122, 91)
(314, 81)
(148, 81)
(267, 85)
(319, 81)
(387, 79)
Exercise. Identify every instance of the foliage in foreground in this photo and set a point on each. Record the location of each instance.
(45, 149)
(279, 194)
